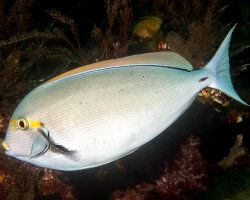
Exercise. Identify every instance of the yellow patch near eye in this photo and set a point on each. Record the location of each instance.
(13, 121)
(12, 124)
(24, 124)
(34, 124)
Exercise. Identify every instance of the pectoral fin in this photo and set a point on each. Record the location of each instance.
(56, 148)
(71, 154)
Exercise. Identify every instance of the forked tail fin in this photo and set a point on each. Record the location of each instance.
(220, 68)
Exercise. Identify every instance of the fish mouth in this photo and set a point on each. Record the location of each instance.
(5, 146)
(7, 149)
(9, 153)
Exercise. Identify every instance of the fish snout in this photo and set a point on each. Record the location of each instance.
(5, 146)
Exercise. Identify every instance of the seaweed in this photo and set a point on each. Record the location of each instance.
(195, 27)
(190, 26)
(60, 34)
(17, 19)
(24, 50)
(14, 18)
(109, 46)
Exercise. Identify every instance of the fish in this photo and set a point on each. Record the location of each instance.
(101, 112)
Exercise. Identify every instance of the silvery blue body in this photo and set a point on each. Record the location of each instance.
(104, 114)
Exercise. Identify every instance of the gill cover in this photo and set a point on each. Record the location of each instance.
(40, 145)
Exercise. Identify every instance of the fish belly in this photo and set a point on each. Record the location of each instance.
(106, 114)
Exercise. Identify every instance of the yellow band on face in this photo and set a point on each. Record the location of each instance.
(5, 146)
(31, 124)
(13, 121)
(13, 124)
(34, 124)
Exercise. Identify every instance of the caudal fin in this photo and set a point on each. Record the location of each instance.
(219, 67)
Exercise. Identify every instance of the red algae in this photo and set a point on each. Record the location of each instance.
(180, 177)
(185, 174)
(19, 180)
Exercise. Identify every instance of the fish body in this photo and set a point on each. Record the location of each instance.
(94, 115)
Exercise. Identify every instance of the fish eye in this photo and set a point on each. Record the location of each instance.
(22, 124)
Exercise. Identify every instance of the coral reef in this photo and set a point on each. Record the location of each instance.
(3, 125)
(19, 180)
(231, 183)
(234, 117)
(236, 153)
(215, 95)
(185, 174)
(129, 194)
(51, 184)
(180, 177)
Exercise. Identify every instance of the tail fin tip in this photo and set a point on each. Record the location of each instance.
(220, 68)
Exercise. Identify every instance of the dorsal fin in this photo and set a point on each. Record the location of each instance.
(168, 59)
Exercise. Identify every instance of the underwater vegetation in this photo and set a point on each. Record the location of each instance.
(27, 49)
(183, 175)
(110, 45)
(32, 54)
(21, 181)
(186, 173)
(195, 25)
(192, 23)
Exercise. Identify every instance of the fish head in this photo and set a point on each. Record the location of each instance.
(22, 139)
(29, 138)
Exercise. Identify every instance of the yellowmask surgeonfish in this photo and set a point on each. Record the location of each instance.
(101, 112)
